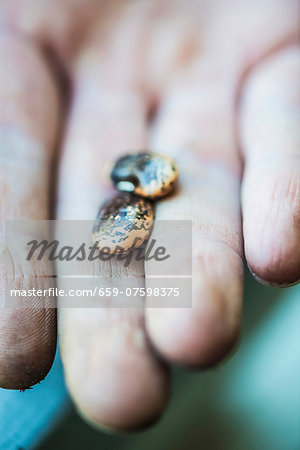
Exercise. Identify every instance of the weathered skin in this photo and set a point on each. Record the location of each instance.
(147, 174)
(213, 82)
(123, 224)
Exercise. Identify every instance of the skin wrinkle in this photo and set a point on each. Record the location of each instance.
(293, 195)
(225, 242)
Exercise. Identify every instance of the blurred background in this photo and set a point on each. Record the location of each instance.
(251, 401)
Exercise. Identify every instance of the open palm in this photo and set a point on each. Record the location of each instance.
(214, 84)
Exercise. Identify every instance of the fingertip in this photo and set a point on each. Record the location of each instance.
(25, 357)
(275, 263)
(198, 338)
(272, 243)
(117, 391)
(23, 371)
(269, 133)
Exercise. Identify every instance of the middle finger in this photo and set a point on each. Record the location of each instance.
(112, 374)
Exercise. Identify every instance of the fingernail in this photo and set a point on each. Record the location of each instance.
(271, 283)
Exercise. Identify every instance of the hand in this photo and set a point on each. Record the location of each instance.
(220, 79)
